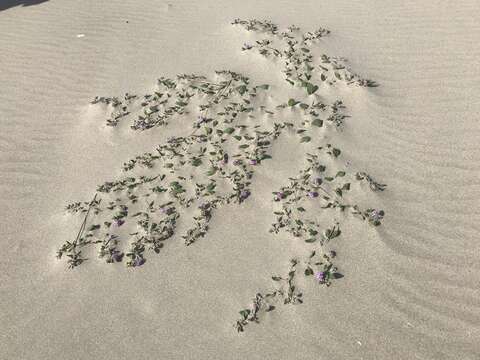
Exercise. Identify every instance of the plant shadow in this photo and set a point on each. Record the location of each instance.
(6, 4)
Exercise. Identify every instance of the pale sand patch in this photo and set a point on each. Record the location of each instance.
(410, 291)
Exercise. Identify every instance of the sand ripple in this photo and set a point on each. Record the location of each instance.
(411, 290)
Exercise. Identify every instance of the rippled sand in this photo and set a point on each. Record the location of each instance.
(411, 290)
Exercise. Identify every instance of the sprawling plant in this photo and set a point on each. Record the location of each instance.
(232, 132)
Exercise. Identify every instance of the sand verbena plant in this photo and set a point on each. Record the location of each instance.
(189, 178)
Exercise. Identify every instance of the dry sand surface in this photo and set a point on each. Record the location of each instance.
(411, 286)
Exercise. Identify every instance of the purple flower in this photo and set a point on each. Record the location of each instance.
(320, 276)
(376, 215)
(244, 194)
(318, 181)
(253, 162)
(119, 222)
(237, 162)
(312, 194)
(117, 256)
(139, 261)
(224, 160)
(167, 210)
(204, 206)
(279, 195)
(201, 120)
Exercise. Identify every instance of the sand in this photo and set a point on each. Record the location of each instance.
(410, 289)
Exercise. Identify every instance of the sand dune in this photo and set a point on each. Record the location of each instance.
(410, 289)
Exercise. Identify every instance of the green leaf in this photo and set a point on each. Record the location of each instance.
(178, 190)
(310, 240)
(336, 152)
(308, 271)
(242, 89)
(340, 174)
(311, 89)
(245, 313)
(211, 187)
(211, 171)
(292, 102)
(196, 162)
(305, 139)
(94, 227)
(317, 122)
(229, 130)
(332, 233)
(276, 278)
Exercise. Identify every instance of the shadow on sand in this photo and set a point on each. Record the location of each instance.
(6, 4)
